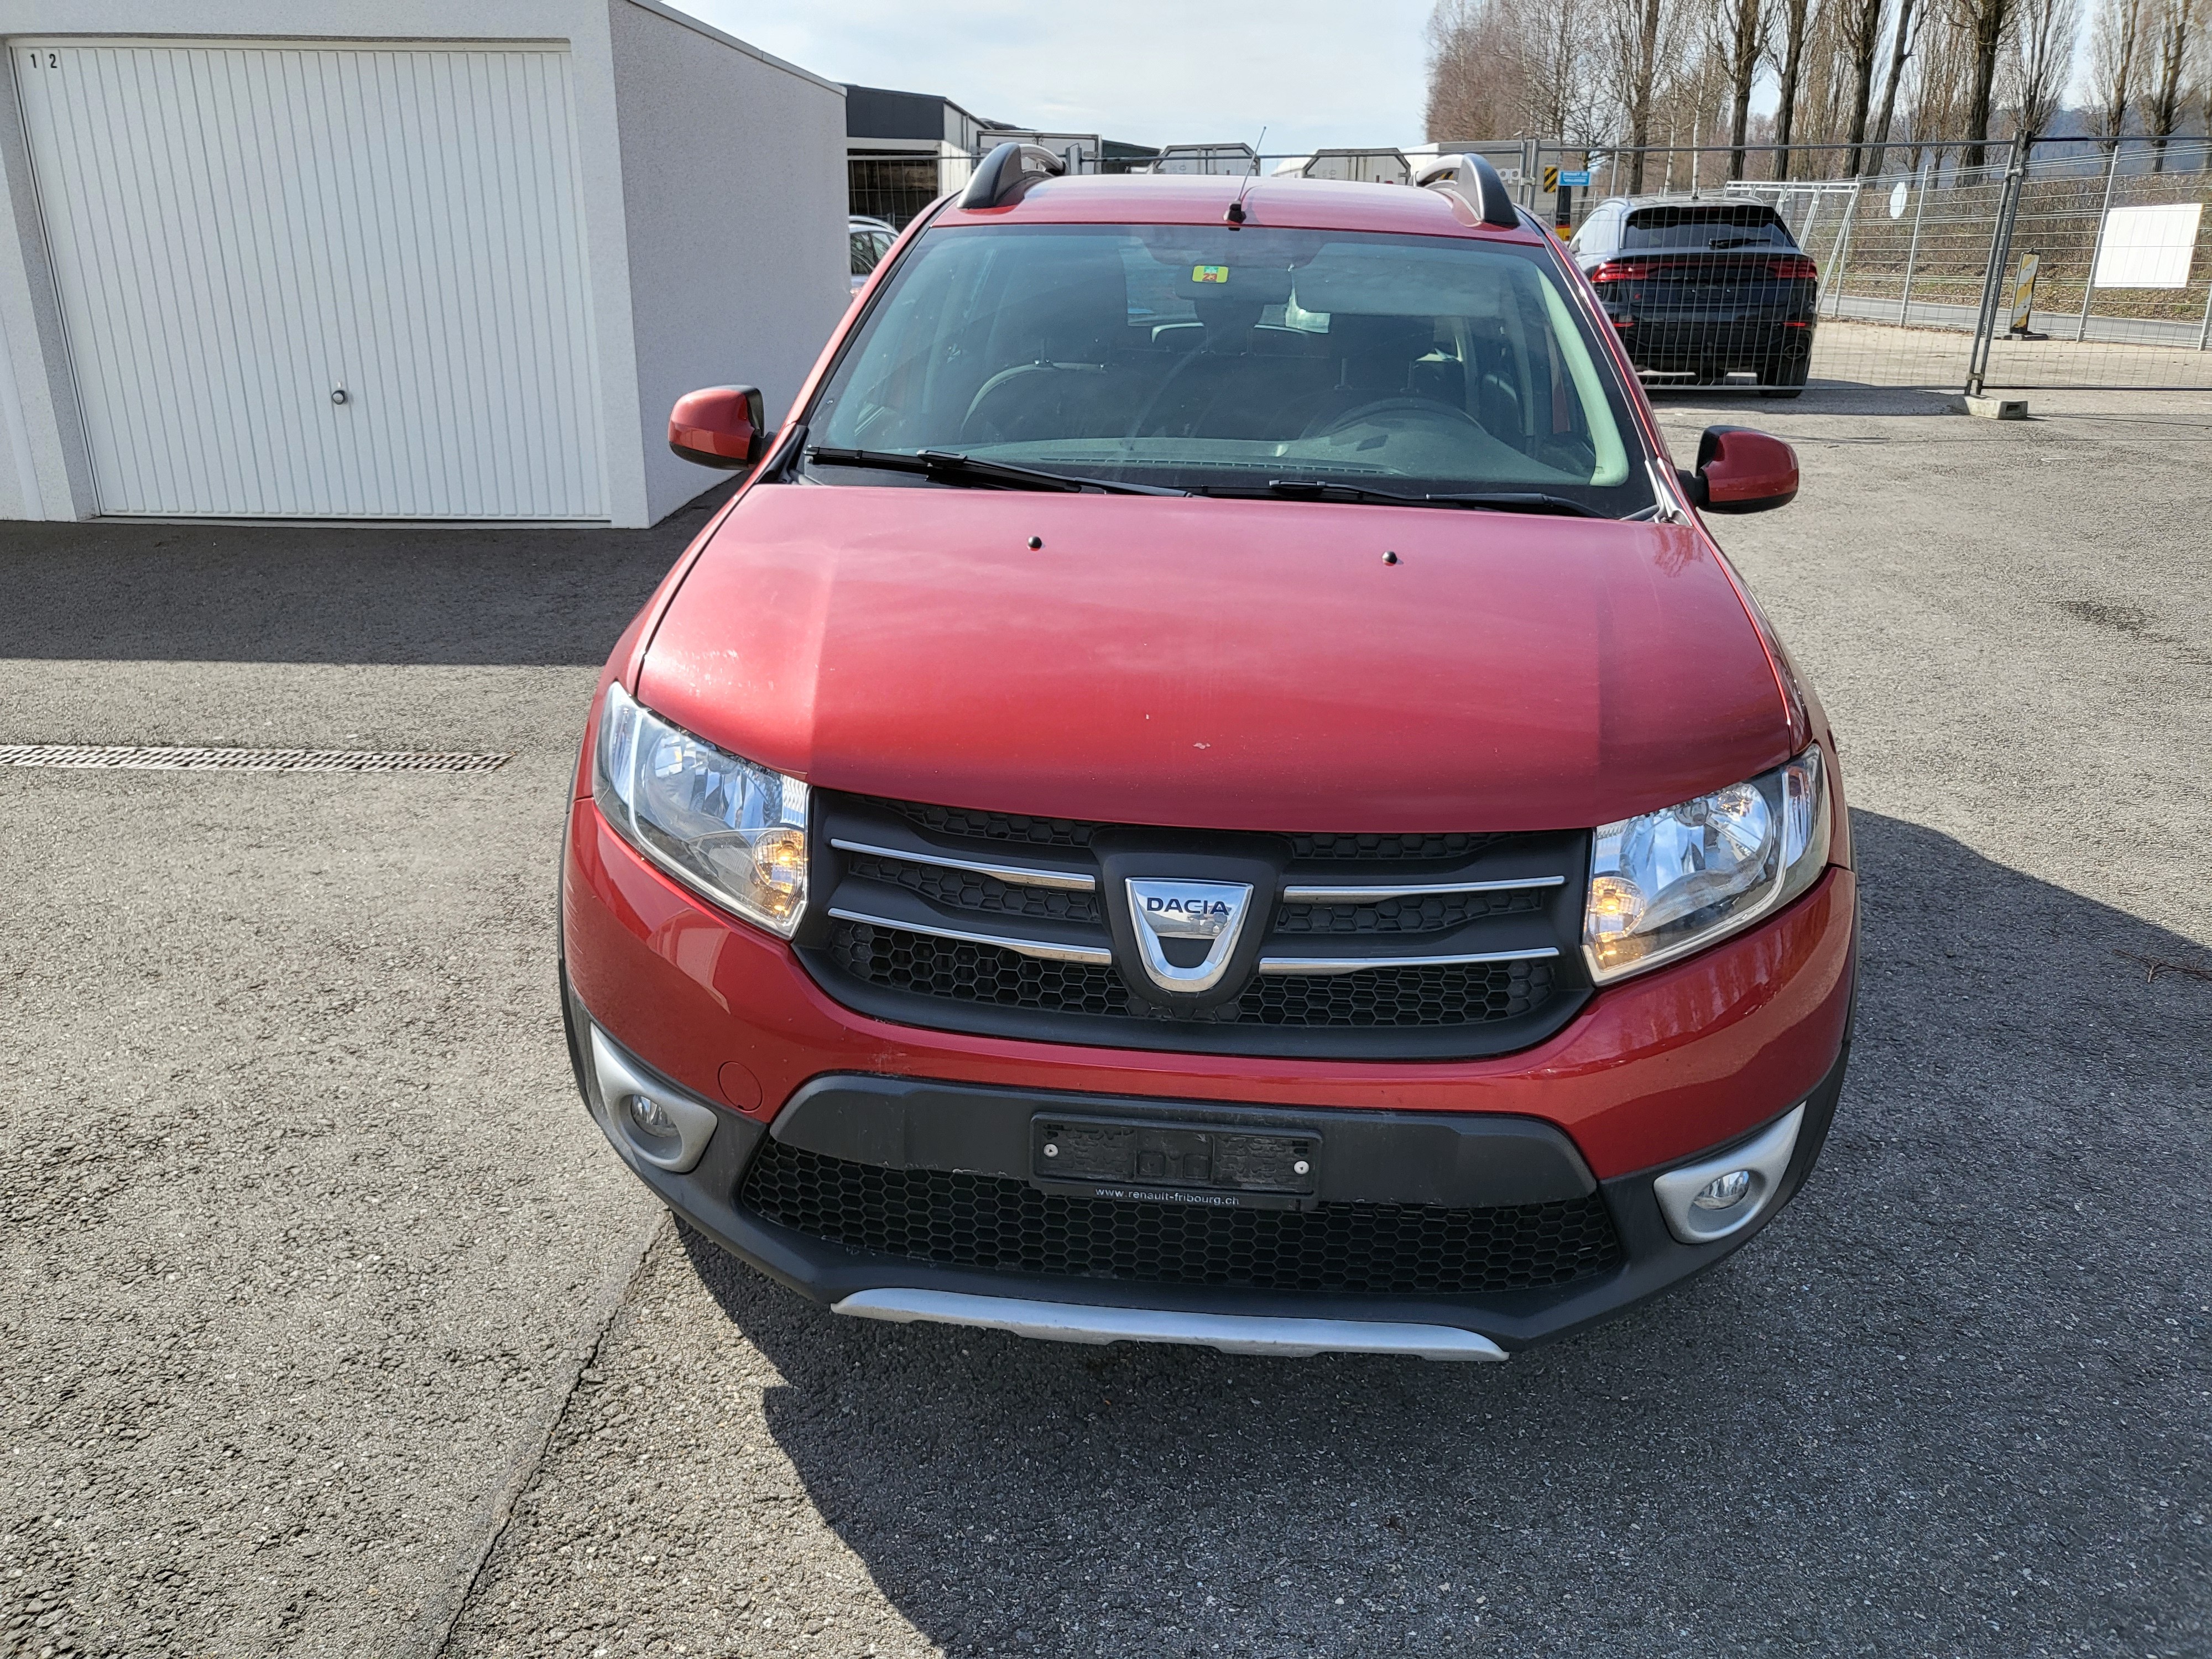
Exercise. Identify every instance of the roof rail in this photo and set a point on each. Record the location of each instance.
(1475, 182)
(1003, 176)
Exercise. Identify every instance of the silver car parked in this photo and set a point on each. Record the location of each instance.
(871, 239)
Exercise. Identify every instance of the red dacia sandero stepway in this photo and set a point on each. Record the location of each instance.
(1213, 787)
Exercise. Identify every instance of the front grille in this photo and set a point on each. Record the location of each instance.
(1389, 848)
(959, 970)
(964, 890)
(1432, 914)
(962, 971)
(994, 1222)
(1076, 832)
(1399, 998)
(924, 912)
(986, 826)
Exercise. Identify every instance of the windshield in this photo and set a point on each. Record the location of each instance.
(1744, 225)
(1199, 357)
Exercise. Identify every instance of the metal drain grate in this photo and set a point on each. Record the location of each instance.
(141, 758)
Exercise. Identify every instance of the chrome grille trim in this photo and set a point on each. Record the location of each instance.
(1437, 890)
(1019, 875)
(1090, 956)
(1364, 964)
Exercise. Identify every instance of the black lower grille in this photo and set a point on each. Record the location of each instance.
(994, 1222)
(957, 970)
(1394, 998)
(1474, 995)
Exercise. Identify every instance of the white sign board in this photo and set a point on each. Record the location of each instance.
(2148, 247)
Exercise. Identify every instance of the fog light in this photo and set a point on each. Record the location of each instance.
(652, 1119)
(1718, 1196)
(649, 1120)
(1724, 1191)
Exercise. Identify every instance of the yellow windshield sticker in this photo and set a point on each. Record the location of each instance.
(1209, 273)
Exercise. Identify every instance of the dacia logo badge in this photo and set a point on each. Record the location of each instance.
(1157, 905)
(1210, 911)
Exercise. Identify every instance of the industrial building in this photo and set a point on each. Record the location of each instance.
(904, 150)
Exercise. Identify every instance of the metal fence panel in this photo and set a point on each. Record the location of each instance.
(1908, 254)
(2082, 217)
(893, 188)
(1919, 258)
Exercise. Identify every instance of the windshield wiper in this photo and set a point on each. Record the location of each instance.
(1504, 501)
(1736, 241)
(1523, 500)
(949, 467)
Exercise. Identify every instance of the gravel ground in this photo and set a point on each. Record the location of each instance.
(1956, 1401)
(303, 1241)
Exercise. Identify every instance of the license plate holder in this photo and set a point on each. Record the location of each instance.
(1153, 1160)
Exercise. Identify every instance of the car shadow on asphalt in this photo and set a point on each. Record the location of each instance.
(476, 595)
(1923, 1408)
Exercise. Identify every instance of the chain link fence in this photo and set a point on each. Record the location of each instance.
(2055, 264)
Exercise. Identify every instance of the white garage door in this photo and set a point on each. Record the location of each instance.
(308, 283)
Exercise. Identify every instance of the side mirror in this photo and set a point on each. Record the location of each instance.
(722, 426)
(1740, 471)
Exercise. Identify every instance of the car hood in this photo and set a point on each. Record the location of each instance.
(1218, 664)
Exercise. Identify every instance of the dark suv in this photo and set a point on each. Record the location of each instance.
(1698, 290)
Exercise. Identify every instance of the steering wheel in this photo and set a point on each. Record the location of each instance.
(1401, 405)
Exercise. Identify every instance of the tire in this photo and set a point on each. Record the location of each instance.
(1784, 377)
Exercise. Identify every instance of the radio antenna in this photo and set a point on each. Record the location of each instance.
(1236, 214)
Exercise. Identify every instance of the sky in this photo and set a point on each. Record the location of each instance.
(1311, 72)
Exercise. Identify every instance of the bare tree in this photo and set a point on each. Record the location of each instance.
(2041, 64)
(2204, 98)
(2171, 48)
(1639, 28)
(1858, 24)
(1939, 86)
(1473, 91)
(1693, 91)
(1824, 93)
(1501, 68)
(1900, 50)
(1985, 28)
(1797, 14)
(1559, 67)
(2114, 47)
(1740, 34)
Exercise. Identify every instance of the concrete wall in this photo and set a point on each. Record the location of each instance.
(709, 133)
(733, 183)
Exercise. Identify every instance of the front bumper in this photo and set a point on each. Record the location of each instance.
(899, 1124)
(1656, 1075)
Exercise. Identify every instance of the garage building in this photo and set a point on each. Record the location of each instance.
(389, 259)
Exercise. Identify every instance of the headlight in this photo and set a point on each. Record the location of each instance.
(734, 832)
(1670, 882)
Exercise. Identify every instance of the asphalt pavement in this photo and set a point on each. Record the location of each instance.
(329, 1327)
